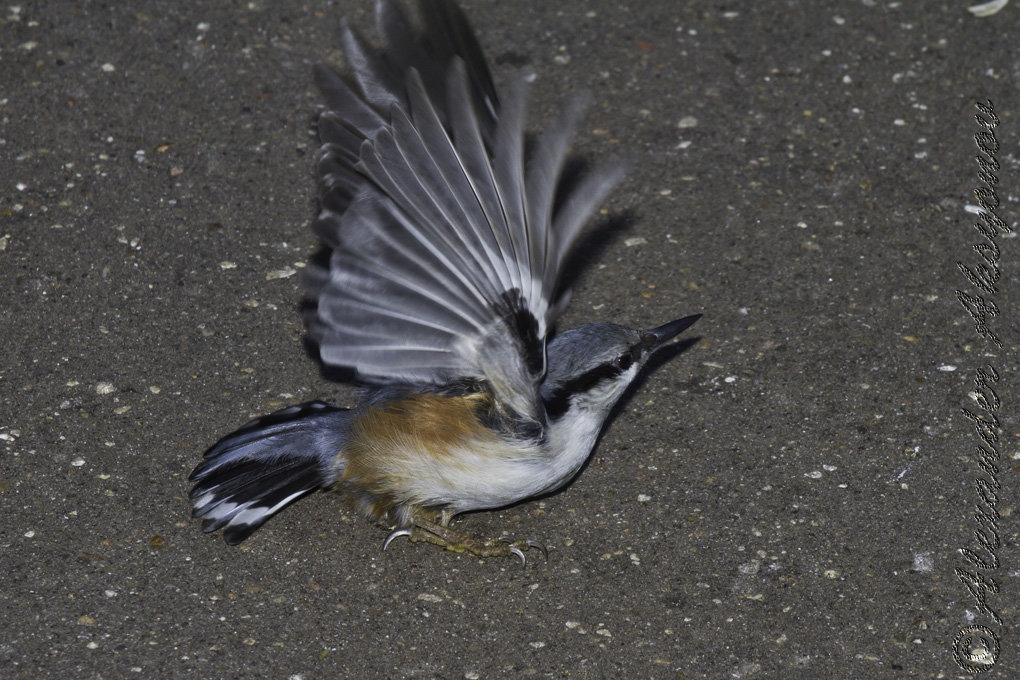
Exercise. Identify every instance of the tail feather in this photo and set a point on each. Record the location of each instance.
(250, 475)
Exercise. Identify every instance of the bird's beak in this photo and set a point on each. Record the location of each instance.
(657, 337)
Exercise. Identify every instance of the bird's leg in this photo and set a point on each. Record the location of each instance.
(442, 535)
(438, 533)
(445, 515)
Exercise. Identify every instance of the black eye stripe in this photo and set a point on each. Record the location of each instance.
(558, 403)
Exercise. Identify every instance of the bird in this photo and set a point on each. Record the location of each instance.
(446, 231)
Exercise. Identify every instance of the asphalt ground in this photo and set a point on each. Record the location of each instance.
(788, 497)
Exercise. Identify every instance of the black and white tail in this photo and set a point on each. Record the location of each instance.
(250, 475)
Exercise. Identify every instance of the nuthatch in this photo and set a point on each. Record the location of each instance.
(446, 240)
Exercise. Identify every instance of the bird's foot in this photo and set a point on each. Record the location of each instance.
(443, 536)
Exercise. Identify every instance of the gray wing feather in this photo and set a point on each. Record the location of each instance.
(471, 187)
(542, 176)
(477, 165)
(446, 252)
(508, 177)
(577, 208)
(380, 86)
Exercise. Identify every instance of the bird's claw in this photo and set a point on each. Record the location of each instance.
(538, 546)
(514, 550)
(515, 547)
(396, 534)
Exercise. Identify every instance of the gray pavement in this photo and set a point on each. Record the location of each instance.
(787, 498)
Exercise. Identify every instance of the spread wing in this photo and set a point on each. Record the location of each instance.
(447, 239)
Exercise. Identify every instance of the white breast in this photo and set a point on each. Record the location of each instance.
(491, 474)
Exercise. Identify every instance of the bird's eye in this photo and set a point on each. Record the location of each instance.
(624, 361)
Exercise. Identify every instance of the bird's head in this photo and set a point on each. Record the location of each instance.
(590, 367)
